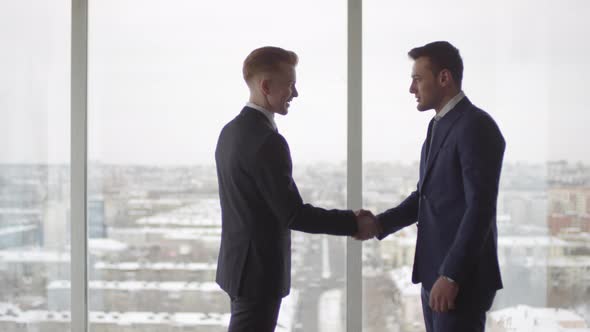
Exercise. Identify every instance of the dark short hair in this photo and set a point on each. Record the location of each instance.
(267, 60)
(442, 55)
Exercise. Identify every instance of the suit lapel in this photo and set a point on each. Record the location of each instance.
(443, 128)
(424, 154)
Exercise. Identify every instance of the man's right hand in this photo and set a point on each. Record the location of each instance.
(367, 225)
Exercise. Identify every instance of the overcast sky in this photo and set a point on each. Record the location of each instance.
(164, 76)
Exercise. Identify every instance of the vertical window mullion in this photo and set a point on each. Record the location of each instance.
(354, 291)
(79, 241)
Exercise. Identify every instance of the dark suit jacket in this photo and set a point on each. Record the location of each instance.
(260, 204)
(455, 205)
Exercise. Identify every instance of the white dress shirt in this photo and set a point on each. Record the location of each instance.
(450, 105)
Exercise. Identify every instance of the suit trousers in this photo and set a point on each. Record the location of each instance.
(254, 314)
(460, 319)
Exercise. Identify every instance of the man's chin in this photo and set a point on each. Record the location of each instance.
(422, 108)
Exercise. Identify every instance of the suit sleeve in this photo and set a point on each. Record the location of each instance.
(394, 219)
(273, 176)
(481, 150)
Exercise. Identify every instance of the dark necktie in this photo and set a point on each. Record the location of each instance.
(432, 132)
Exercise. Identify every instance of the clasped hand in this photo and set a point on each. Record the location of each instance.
(367, 225)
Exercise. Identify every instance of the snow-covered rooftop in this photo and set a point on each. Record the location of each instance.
(206, 212)
(41, 255)
(133, 285)
(155, 266)
(34, 256)
(530, 241)
(523, 318)
(119, 318)
(16, 229)
(569, 261)
(11, 313)
(11, 210)
(168, 231)
(103, 245)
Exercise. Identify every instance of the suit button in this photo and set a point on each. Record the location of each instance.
(423, 197)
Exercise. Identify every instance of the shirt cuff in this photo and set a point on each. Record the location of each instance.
(449, 279)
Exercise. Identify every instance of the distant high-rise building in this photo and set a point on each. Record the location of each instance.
(96, 218)
(569, 198)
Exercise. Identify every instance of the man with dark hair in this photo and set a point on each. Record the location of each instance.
(260, 203)
(454, 204)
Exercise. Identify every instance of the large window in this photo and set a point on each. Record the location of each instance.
(528, 71)
(165, 76)
(34, 165)
(163, 80)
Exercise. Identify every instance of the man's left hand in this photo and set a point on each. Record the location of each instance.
(443, 295)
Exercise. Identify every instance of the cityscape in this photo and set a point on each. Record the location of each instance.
(154, 232)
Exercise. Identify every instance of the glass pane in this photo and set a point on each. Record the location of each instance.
(34, 165)
(164, 79)
(528, 71)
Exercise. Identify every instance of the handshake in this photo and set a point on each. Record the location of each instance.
(367, 225)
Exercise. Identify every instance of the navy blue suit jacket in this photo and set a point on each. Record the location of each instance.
(260, 205)
(454, 205)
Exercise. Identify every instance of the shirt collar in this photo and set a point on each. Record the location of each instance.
(268, 114)
(450, 105)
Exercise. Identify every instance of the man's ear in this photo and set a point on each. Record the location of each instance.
(264, 85)
(445, 78)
